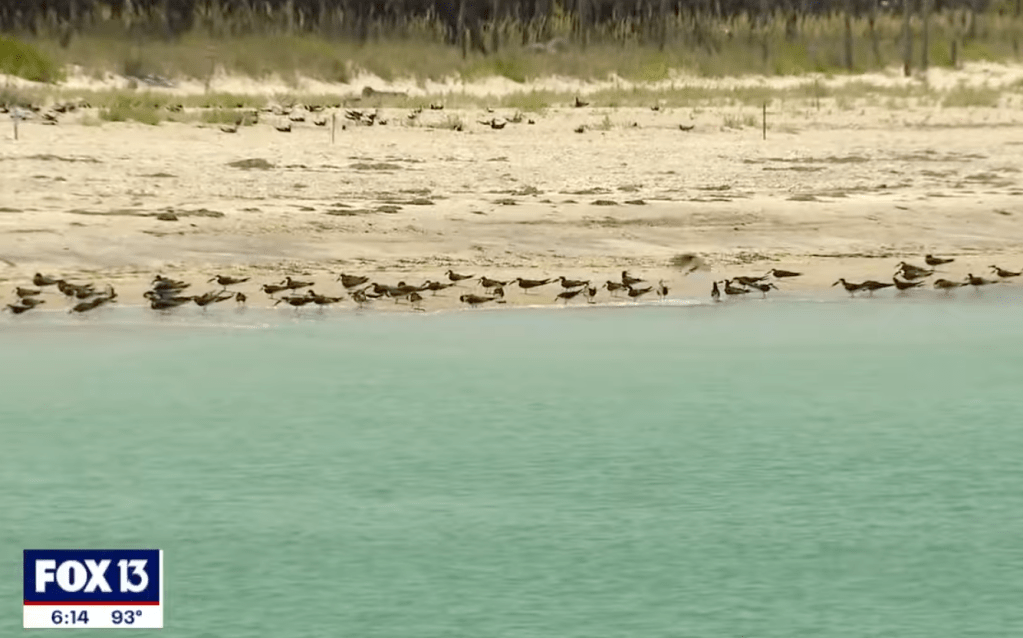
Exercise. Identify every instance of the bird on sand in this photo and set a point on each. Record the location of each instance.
(931, 260)
(572, 283)
(568, 294)
(613, 287)
(662, 290)
(42, 280)
(629, 280)
(978, 281)
(26, 292)
(870, 286)
(946, 285)
(715, 292)
(453, 276)
(475, 300)
(636, 293)
(851, 288)
(226, 281)
(906, 285)
(528, 284)
(778, 273)
(763, 288)
(351, 281)
(1005, 274)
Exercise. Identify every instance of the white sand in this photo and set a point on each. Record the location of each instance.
(78, 201)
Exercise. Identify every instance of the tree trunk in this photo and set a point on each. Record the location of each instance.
(907, 41)
(925, 36)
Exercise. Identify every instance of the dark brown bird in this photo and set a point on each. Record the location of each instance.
(946, 285)
(1005, 274)
(978, 281)
(160, 281)
(167, 304)
(662, 290)
(26, 292)
(228, 281)
(572, 283)
(931, 260)
(569, 294)
(295, 300)
(31, 302)
(906, 285)
(746, 281)
(528, 284)
(291, 284)
(613, 287)
(715, 292)
(273, 289)
(416, 300)
(486, 282)
(71, 290)
(591, 294)
(778, 273)
(453, 276)
(92, 304)
(636, 293)
(475, 300)
(323, 300)
(911, 272)
(20, 308)
(351, 281)
(870, 286)
(579, 103)
(763, 288)
(435, 286)
(850, 287)
(240, 297)
(42, 280)
(628, 280)
(360, 298)
(731, 290)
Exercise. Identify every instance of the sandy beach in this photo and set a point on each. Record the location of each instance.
(832, 191)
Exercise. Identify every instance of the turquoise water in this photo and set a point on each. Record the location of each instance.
(841, 469)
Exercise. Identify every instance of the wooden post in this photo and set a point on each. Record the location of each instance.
(765, 121)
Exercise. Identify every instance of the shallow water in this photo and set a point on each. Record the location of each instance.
(777, 469)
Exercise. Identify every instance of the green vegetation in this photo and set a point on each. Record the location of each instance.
(26, 61)
(697, 44)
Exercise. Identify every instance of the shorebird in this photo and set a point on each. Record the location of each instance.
(731, 290)
(978, 281)
(906, 285)
(167, 304)
(31, 302)
(850, 288)
(160, 281)
(613, 287)
(20, 308)
(42, 280)
(240, 297)
(92, 304)
(1005, 274)
(416, 300)
(205, 299)
(323, 300)
(931, 260)
(778, 273)
(351, 281)
(591, 294)
(636, 293)
(568, 294)
(715, 292)
(475, 300)
(946, 285)
(295, 300)
(763, 288)
(70, 290)
(527, 284)
(662, 290)
(628, 280)
(579, 103)
(453, 276)
(572, 283)
(486, 282)
(228, 281)
(435, 286)
(360, 298)
(911, 272)
(291, 284)
(870, 286)
(746, 281)
(273, 289)
(26, 292)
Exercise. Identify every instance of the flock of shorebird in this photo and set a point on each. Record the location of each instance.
(165, 293)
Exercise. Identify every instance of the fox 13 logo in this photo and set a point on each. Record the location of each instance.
(93, 588)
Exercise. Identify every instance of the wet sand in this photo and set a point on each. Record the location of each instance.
(831, 193)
